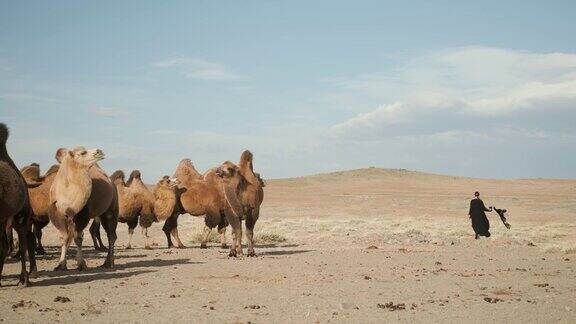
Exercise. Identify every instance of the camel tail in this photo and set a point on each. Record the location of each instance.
(3, 134)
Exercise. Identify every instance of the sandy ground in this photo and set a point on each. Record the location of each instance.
(368, 245)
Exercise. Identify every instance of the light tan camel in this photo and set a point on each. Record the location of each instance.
(146, 199)
(129, 204)
(15, 211)
(39, 192)
(167, 208)
(77, 194)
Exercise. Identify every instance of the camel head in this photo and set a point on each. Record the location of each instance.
(232, 184)
(167, 182)
(79, 156)
(227, 171)
(118, 177)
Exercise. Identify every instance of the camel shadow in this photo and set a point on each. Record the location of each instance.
(53, 255)
(155, 263)
(287, 252)
(274, 245)
(69, 280)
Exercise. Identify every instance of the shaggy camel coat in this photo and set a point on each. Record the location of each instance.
(15, 210)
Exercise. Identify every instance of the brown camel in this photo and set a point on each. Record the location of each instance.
(103, 209)
(251, 197)
(80, 191)
(232, 185)
(187, 173)
(39, 192)
(15, 211)
(129, 204)
(214, 195)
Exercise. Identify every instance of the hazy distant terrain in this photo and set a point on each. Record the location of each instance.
(338, 247)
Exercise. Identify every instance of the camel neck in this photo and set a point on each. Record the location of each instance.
(248, 174)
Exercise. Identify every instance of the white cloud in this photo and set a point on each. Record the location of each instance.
(468, 81)
(198, 69)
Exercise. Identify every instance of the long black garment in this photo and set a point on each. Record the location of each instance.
(480, 222)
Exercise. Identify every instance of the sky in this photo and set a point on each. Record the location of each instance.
(480, 89)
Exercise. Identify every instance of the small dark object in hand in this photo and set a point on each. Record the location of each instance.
(502, 214)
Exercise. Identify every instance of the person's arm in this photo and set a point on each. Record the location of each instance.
(486, 209)
(470, 210)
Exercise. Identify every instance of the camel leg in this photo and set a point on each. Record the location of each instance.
(206, 231)
(235, 222)
(65, 242)
(250, 222)
(146, 238)
(81, 220)
(222, 231)
(110, 222)
(32, 252)
(79, 255)
(96, 238)
(38, 226)
(3, 247)
(174, 231)
(131, 226)
(167, 228)
(23, 246)
(176, 236)
(9, 239)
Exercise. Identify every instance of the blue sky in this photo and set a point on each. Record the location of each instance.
(481, 89)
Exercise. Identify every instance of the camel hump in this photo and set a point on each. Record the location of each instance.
(118, 174)
(31, 173)
(135, 174)
(53, 169)
(3, 133)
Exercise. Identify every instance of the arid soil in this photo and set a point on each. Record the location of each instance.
(370, 245)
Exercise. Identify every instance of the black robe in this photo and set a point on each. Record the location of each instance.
(480, 222)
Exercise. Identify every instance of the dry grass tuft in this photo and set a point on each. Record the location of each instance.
(213, 238)
(269, 237)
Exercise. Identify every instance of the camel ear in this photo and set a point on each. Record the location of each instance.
(60, 154)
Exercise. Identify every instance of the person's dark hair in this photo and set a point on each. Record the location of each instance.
(476, 194)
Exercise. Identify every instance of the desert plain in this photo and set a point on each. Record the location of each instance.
(365, 246)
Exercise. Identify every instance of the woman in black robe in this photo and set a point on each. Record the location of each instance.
(480, 222)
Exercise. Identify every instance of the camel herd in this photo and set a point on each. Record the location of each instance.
(77, 190)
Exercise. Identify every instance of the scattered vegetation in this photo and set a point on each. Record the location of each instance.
(269, 237)
(213, 238)
(259, 237)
